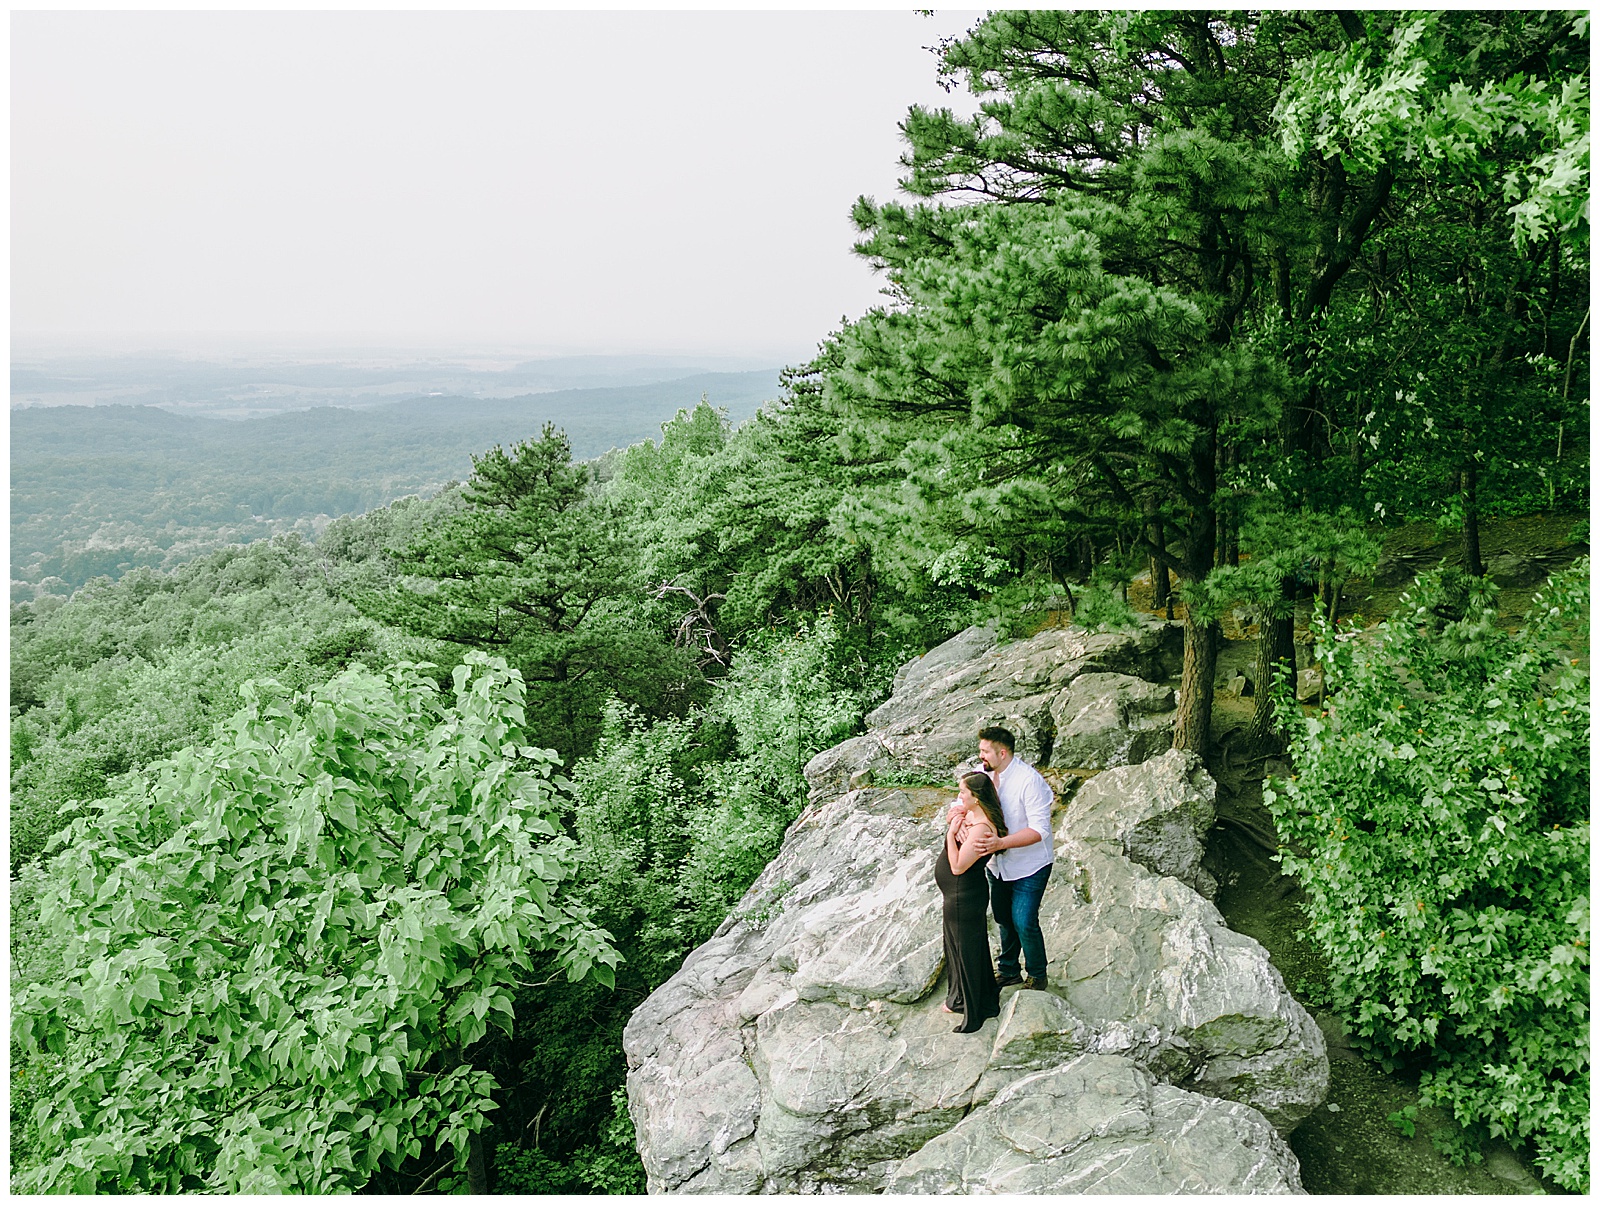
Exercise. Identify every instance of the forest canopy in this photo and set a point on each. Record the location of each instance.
(1220, 300)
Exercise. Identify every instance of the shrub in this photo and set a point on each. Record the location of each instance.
(278, 949)
(674, 819)
(671, 840)
(788, 697)
(1438, 822)
(631, 814)
(608, 1166)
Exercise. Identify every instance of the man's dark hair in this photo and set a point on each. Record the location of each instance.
(998, 736)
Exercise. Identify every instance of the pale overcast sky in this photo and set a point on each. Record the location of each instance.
(555, 181)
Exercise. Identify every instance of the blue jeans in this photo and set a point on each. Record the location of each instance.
(1016, 911)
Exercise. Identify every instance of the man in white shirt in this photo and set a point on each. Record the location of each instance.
(1022, 859)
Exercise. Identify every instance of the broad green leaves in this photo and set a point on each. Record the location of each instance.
(1353, 103)
(276, 947)
(1423, 98)
(132, 670)
(1439, 823)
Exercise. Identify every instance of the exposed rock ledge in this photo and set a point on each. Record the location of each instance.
(803, 1048)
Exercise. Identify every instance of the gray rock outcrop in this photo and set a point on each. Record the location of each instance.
(1101, 696)
(1102, 1124)
(1155, 815)
(1509, 569)
(1308, 683)
(1105, 720)
(803, 1047)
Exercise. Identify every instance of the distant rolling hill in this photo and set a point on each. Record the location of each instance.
(102, 489)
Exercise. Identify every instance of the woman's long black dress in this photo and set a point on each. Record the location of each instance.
(973, 989)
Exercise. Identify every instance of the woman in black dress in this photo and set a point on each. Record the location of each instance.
(963, 881)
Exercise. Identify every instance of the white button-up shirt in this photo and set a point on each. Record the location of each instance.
(1025, 799)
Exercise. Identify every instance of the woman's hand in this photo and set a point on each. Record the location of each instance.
(967, 854)
(985, 842)
(958, 816)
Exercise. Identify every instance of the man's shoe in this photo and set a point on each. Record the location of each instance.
(1008, 978)
(1035, 983)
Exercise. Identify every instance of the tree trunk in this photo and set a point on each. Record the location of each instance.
(1469, 515)
(1230, 544)
(1191, 727)
(866, 603)
(1160, 582)
(477, 1171)
(1274, 647)
(1160, 578)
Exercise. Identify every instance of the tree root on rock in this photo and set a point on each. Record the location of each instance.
(1255, 835)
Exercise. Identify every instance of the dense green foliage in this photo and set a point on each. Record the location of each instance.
(744, 527)
(535, 565)
(277, 947)
(1439, 823)
(1186, 300)
(129, 671)
(681, 798)
(133, 670)
(674, 835)
(1214, 294)
(675, 820)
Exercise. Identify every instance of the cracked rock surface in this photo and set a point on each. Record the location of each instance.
(1102, 1124)
(1098, 696)
(803, 1047)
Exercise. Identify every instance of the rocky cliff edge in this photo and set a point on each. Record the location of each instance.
(803, 1048)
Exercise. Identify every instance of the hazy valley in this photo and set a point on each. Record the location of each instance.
(211, 454)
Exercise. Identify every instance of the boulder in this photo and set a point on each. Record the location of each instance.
(1308, 684)
(803, 1047)
(1397, 570)
(1208, 1011)
(1155, 814)
(850, 764)
(943, 658)
(846, 1093)
(930, 722)
(1508, 569)
(1102, 1124)
(700, 1098)
(1034, 1030)
(849, 909)
(1105, 720)
(1337, 1036)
